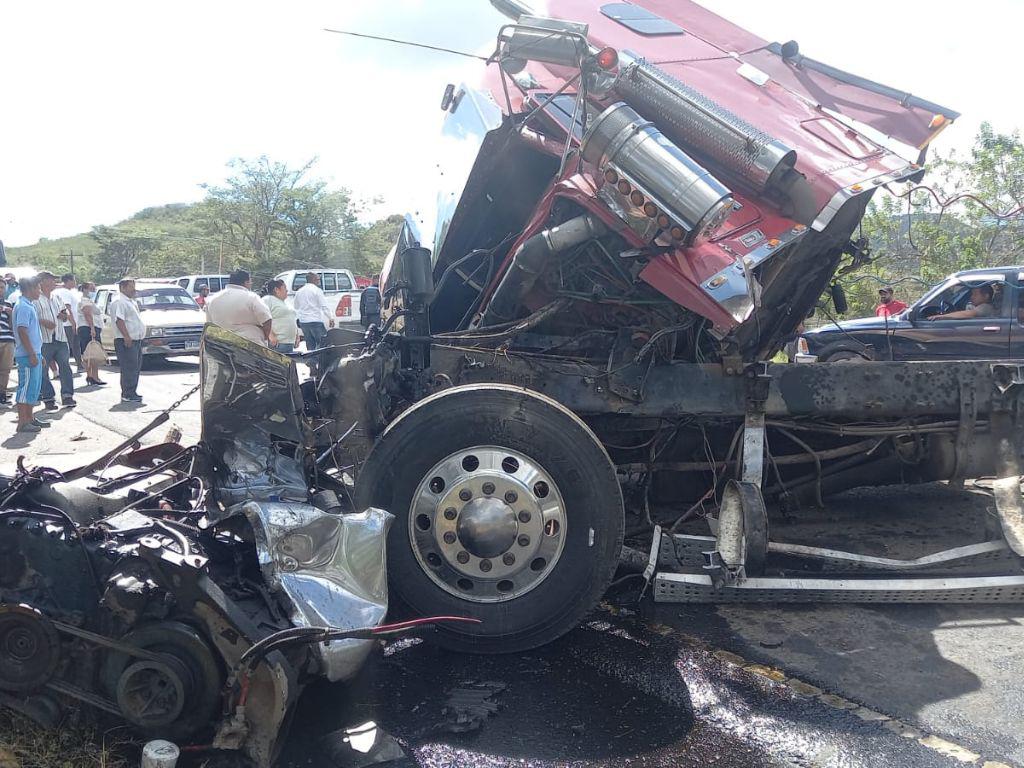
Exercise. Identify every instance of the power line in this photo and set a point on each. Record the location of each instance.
(407, 42)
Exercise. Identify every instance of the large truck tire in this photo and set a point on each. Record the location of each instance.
(507, 511)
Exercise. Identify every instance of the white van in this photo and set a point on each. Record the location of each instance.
(339, 286)
(192, 283)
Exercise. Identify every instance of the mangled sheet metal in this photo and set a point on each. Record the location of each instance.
(330, 571)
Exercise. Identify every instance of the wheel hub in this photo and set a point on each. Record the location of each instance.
(487, 524)
(487, 527)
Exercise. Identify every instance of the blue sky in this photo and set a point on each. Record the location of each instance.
(109, 107)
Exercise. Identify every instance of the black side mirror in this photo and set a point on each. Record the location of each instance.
(418, 272)
(449, 97)
(839, 298)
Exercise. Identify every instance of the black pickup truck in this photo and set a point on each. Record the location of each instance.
(922, 333)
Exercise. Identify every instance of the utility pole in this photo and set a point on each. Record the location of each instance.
(220, 264)
(71, 261)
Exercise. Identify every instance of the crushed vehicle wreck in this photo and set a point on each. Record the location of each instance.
(194, 594)
(632, 216)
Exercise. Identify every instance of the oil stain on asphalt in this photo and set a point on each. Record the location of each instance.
(615, 692)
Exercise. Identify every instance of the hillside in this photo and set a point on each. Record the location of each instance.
(167, 224)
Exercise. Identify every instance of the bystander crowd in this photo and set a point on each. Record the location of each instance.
(129, 332)
(239, 310)
(313, 311)
(28, 352)
(6, 348)
(68, 295)
(90, 325)
(52, 313)
(284, 322)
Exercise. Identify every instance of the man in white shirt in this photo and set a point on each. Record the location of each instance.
(239, 310)
(129, 332)
(314, 313)
(52, 315)
(68, 295)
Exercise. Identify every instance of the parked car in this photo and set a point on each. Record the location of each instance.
(192, 283)
(339, 285)
(174, 322)
(921, 333)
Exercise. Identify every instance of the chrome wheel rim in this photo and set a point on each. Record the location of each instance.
(487, 524)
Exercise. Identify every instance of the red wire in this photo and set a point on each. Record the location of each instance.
(966, 196)
(419, 622)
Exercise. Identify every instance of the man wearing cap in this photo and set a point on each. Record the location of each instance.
(887, 305)
(52, 313)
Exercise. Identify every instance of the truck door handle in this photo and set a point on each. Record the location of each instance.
(991, 329)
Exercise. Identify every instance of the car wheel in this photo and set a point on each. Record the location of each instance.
(508, 511)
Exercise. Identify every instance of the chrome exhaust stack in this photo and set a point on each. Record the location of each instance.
(702, 125)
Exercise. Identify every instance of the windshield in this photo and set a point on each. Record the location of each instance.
(169, 297)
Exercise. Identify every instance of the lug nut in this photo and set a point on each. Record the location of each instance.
(508, 558)
(450, 513)
(488, 488)
(524, 540)
(449, 537)
(511, 497)
(465, 494)
(524, 516)
(485, 565)
(462, 557)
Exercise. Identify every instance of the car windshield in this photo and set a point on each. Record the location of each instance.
(167, 297)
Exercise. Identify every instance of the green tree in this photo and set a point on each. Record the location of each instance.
(121, 252)
(917, 241)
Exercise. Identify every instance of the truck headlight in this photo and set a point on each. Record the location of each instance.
(154, 331)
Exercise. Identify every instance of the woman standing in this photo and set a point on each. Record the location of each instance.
(89, 327)
(283, 318)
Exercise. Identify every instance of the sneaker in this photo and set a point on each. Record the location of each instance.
(68, 402)
(39, 423)
(136, 398)
(51, 405)
(28, 427)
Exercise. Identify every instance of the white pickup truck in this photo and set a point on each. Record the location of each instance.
(339, 285)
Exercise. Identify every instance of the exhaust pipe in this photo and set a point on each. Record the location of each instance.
(531, 259)
(695, 121)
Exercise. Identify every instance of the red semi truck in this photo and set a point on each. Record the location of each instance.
(643, 202)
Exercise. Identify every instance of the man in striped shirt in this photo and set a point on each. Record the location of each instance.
(6, 349)
(52, 314)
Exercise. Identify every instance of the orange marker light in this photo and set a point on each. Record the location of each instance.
(611, 176)
(651, 210)
(637, 197)
(624, 187)
(607, 58)
(663, 221)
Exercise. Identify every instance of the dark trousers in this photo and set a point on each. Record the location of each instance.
(315, 334)
(129, 360)
(73, 345)
(57, 352)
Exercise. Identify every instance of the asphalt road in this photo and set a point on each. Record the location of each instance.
(665, 685)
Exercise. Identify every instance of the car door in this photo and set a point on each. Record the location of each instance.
(982, 338)
(1017, 319)
(103, 297)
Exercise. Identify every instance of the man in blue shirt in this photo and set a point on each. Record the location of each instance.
(28, 350)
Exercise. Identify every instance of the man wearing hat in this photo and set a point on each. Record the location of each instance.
(887, 305)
